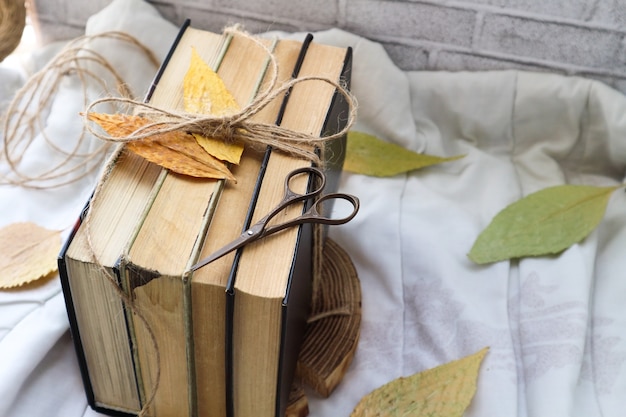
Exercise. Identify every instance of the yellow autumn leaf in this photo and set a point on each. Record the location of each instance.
(444, 391)
(204, 92)
(229, 152)
(28, 252)
(176, 151)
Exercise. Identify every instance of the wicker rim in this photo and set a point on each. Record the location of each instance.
(12, 22)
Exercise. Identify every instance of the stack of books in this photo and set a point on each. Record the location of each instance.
(223, 340)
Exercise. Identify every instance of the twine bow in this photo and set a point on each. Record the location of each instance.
(236, 127)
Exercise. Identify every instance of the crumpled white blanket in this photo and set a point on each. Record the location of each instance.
(556, 327)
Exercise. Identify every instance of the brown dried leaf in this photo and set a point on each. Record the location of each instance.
(116, 125)
(28, 252)
(176, 151)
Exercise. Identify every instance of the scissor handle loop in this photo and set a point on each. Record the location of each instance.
(290, 197)
(313, 214)
(317, 179)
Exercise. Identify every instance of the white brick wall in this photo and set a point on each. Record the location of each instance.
(567, 36)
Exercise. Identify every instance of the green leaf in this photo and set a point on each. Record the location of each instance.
(444, 391)
(368, 155)
(543, 223)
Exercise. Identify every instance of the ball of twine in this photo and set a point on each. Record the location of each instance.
(12, 22)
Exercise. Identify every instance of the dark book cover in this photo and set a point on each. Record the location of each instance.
(297, 301)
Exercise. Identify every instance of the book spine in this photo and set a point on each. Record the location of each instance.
(187, 298)
(72, 318)
(121, 264)
(230, 288)
(307, 259)
(150, 334)
(187, 276)
(63, 273)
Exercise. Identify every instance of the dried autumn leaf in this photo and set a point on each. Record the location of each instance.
(543, 223)
(368, 155)
(229, 152)
(28, 252)
(176, 150)
(204, 92)
(444, 391)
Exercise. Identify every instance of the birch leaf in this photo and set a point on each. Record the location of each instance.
(204, 92)
(444, 391)
(543, 223)
(368, 155)
(176, 151)
(28, 252)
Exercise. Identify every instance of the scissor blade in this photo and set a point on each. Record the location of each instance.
(234, 245)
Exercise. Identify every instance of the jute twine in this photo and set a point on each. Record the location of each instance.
(12, 22)
(26, 115)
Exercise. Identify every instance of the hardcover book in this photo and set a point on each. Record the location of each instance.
(151, 335)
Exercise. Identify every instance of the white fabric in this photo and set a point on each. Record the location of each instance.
(556, 327)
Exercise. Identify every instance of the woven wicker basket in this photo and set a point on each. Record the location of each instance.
(12, 21)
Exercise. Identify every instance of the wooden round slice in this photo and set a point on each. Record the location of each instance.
(332, 332)
(334, 325)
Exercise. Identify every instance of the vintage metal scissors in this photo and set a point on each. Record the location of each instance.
(261, 228)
